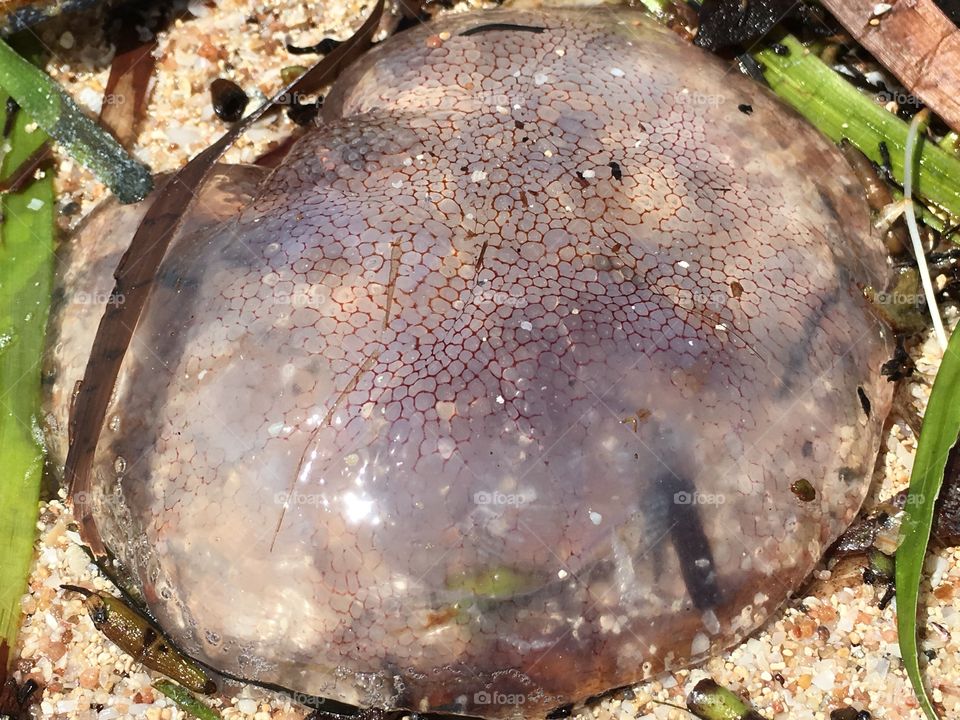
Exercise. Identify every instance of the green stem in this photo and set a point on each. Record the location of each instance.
(53, 110)
(26, 268)
(841, 111)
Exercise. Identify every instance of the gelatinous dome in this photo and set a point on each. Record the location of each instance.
(493, 396)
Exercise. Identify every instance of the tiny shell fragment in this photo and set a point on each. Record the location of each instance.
(491, 397)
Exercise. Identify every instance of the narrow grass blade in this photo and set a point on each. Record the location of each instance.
(840, 111)
(941, 426)
(186, 700)
(26, 264)
(53, 110)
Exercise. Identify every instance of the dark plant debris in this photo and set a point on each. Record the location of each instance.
(305, 114)
(901, 365)
(324, 47)
(128, 86)
(728, 24)
(15, 699)
(950, 8)
(22, 176)
(860, 537)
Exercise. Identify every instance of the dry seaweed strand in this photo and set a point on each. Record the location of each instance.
(25, 172)
(136, 635)
(915, 41)
(125, 95)
(134, 279)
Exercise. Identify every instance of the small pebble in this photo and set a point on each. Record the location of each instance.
(247, 706)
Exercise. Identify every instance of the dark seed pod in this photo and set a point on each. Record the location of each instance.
(804, 491)
(844, 713)
(141, 639)
(229, 99)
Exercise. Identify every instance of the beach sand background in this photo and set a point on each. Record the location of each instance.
(830, 648)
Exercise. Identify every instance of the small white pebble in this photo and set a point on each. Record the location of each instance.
(617, 72)
(247, 706)
(35, 204)
(825, 679)
(198, 9)
(700, 644)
